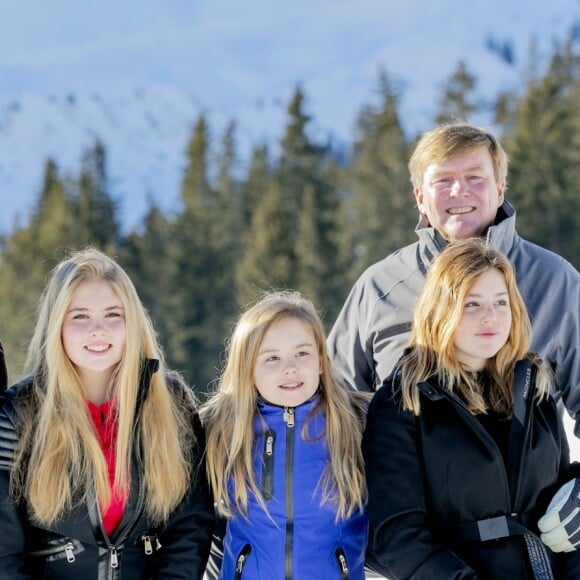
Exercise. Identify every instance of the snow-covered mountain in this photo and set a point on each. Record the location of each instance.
(139, 79)
(145, 132)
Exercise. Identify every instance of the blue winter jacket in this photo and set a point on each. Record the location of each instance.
(299, 537)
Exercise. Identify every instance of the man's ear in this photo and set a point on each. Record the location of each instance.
(419, 199)
(500, 194)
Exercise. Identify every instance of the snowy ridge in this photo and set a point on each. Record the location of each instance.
(138, 80)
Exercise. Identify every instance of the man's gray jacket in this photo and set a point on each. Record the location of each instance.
(373, 327)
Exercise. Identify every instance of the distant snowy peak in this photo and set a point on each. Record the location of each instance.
(145, 132)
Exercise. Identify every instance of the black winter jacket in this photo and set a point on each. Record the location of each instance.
(436, 480)
(76, 547)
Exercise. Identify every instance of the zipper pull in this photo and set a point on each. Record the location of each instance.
(289, 416)
(343, 564)
(114, 558)
(269, 445)
(241, 560)
(240, 563)
(158, 545)
(69, 550)
(147, 545)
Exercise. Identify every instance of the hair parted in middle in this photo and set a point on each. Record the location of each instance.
(59, 459)
(230, 412)
(437, 316)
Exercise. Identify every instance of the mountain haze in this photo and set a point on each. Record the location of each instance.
(137, 75)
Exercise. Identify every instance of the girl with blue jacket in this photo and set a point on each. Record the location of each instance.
(283, 450)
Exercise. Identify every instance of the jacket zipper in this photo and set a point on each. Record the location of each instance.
(150, 367)
(68, 549)
(113, 549)
(268, 465)
(241, 561)
(342, 563)
(289, 479)
(148, 540)
(113, 558)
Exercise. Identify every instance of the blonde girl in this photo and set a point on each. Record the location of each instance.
(464, 446)
(283, 450)
(100, 444)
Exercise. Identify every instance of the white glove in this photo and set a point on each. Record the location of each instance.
(560, 525)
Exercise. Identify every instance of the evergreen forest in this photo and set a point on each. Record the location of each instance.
(309, 217)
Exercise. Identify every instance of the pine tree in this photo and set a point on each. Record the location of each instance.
(27, 256)
(311, 271)
(545, 157)
(458, 101)
(196, 192)
(254, 187)
(379, 213)
(202, 286)
(148, 257)
(269, 261)
(306, 168)
(53, 219)
(97, 211)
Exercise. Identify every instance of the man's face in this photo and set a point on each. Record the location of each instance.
(460, 197)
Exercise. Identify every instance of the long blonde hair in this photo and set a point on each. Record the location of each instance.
(437, 316)
(59, 460)
(229, 414)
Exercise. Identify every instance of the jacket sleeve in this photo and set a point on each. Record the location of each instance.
(186, 538)
(568, 346)
(347, 343)
(13, 564)
(400, 543)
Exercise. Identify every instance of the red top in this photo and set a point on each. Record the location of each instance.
(103, 417)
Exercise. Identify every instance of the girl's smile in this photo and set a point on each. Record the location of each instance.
(287, 369)
(93, 335)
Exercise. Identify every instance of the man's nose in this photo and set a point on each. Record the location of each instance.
(458, 187)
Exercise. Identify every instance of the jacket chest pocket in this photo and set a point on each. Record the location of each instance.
(58, 549)
(268, 457)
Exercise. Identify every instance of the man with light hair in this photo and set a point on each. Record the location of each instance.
(459, 177)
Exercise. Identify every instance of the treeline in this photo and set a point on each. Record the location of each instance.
(308, 218)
